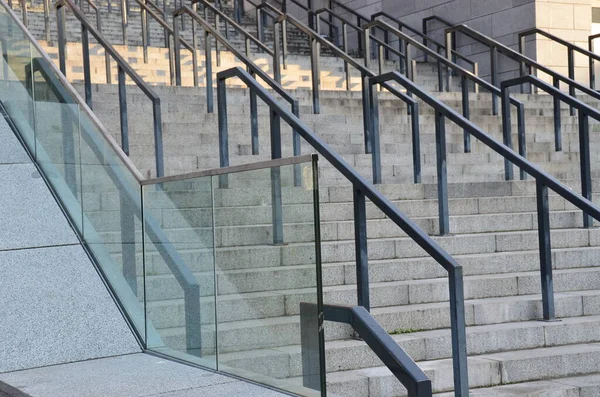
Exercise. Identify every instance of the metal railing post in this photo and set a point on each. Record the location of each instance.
(458, 331)
(522, 66)
(543, 215)
(375, 144)
(345, 47)
(128, 243)
(521, 137)
(223, 131)
(284, 43)
(87, 75)
(584, 153)
(124, 21)
(123, 111)
(494, 70)
(145, 33)
(62, 39)
(297, 146)
(254, 120)
(466, 113)
(177, 52)
(365, 87)
(158, 138)
(276, 200)
(360, 244)
(557, 118)
(315, 55)
(592, 71)
(208, 69)
(260, 28)
(442, 173)
(416, 143)
(25, 13)
(571, 67)
(276, 53)
(506, 132)
(47, 20)
(367, 46)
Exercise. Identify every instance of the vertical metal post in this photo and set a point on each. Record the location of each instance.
(223, 131)
(25, 13)
(87, 75)
(158, 138)
(507, 131)
(208, 69)
(543, 213)
(521, 137)
(128, 243)
(284, 43)
(315, 54)
(440, 75)
(367, 46)
(276, 52)
(123, 111)
(297, 145)
(476, 73)
(522, 66)
(62, 39)
(260, 28)
(124, 22)
(464, 83)
(360, 244)
(459, 333)
(145, 33)
(442, 173)
(365, 86)
(425, 41)
(571, 67)
(276, 200)
(592, 72)
(584, 154)
(375, 145)
(254, 120)
(177, 51)
(416, 142)
(557, 121)
(345, 44)
(494, 69)
(380, 58)
(47, 19)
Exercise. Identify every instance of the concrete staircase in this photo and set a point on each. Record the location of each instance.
(493, 225)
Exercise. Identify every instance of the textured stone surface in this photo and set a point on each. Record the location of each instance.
(56, 309)
(133, 375)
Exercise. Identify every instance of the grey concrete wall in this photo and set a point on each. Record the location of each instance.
(55, 307)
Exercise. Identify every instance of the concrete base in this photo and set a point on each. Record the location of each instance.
(128, 376)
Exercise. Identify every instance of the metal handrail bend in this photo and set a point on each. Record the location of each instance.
(584, 113)
(465, 76)
(524, 61)
(123, 68)
(571, 49)
(363, 190)
(425, 27)
(544, 180)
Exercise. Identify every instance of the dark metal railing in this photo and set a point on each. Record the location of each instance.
(425, 27)
(373, 334)
(465, 77)
(584, 113)
(527, 65)
(544, 181)
(253, 69)
(571, 50)
(363, 190)
(591, 40)
(169, 35)
(123, 69)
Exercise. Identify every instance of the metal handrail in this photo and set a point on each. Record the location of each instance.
(423, 36)
(464, 74)
(364, 190)
(162, 13)
(174, 77)
(254, 69)
(425, 24)
(69, 94)
(123, 69)
(591, 39)
(543, 179)
(584, 112)
(383, 345)
(524, 61)
(571, 49)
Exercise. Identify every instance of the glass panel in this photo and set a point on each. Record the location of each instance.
(262, 283)
(180, 288)
(112, 214)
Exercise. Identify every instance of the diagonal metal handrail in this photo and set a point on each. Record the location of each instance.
(571, 50)
(544, 180)
(123, 68)
(527, 65)
(169, 33)
(363, 190)
(254, 70)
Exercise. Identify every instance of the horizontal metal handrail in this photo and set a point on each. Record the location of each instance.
(123, 68)
(571, 49)
(423, 36)
(523, 60)
(383, 345)
(364, 190)
(584, 112)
